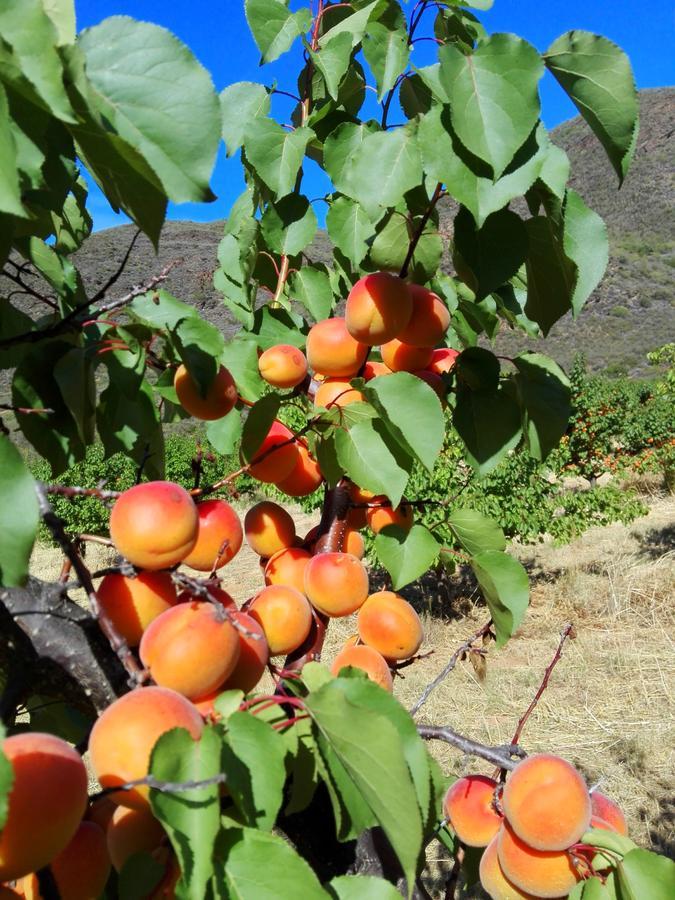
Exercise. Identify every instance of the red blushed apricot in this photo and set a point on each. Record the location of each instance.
(378, 517)
(268, 528)
(373, 369)
(305, 477)
(285, 616)
(132, 831)
(547, 802)
(429, 321)
(219, 536)
(101, 812)
(442, 360)
(82, 868)
(288, 567)
(607, 810)
(336, 392)
(402, 357)
(356, 518)
(254, 653)
(469, 806)
(388, 623)
(332, 351)
(123, 736)
(218, 401)
(435, 382)
(276, 457)
(336, 583)
(494, 881)
(368, 660)
(131, 604)
(544, 873)
(190, 649)
(283, 366)
(154, 525)
(378, 308)
(46, 802)
(216, 593)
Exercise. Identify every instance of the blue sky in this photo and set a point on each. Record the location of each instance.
(217, 32)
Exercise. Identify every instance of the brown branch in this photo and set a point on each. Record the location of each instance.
(506, 756)
(24, 411)
(420, 230)
(167, 787)
(26, 288)
(71, 491)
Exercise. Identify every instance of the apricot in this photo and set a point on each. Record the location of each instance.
(378, 517)
(442, 360)
(402, 357)
(288, 567)
(154, 525)
(254, 653)
(283, 366)
(373, 369)
(216, 593)
(190, 649)
(353, 543)
(285, 616)
(268, 528)
(469, 806)
(123, 736)
(388, 623)
(494, 881)
(604, 808)
(368, 660)
(547, 802)
(356, 518)
(435, 382)
(101, 811)
(276, 457)
(45, 804)
(378, 308)
(336, 583)
(336, 392)
(8, 893)
(219, 536)
(80, 870)
(220, 398)
(131, 604)
(429, 321)
(132, 831)
(305, 476)
(332, 351)
(544, 873)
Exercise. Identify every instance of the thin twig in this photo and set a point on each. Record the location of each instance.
(167, 787)
(505, 756)
(70, 491)
(100, 294)
(420, 230)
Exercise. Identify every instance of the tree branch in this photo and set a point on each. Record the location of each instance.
(506, 756)
(100, 294)
(420, 230)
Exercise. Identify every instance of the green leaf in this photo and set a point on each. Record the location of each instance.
(487, 257)
(160, 309)
(332, 60)
(274, 27)
(311, 286)
(159, 99)
(406, 555)
(545, 398)
(327, 457)
(58, 717)
(139, 876)
(74, 375)
(415, 97)
(585, 243)
(412, 412)
(341, 149)
(278, 326)
(62, 14)
(289, 225)
(276, 154)
(239, 104)
(597, 77)
(643, 874)
(131, 425)
(551, 274)
(493, 95)
(478, 368)
(224, 434)
(192, 817)
(395, 156)
(257, 425)
(354, 24)
(349, 227)
(489, 425)
(19, 519)
(504, 583)
(241, 358)
(302, 767)
(73, 224)
(387, 52)
(200, 345)
(362, 887)
(6, 778)
(10, 191)
(476, 532)
(372, 458)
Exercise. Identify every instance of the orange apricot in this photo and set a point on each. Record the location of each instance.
(547, 802)
(336, 583)
(268, 528)
(402, 357)
(429, 321)
(435, 382)
(254, 653)
(276, 457)
(45, 804)
(368, 660)
(285, 616)
(154, 524)
(336, 392)
(288, 567)
(132, 831)
(305, 477)
(469, 806)
(283, 366)
(131, 604)
(607, 810)
(373, 369)
(332, 351)
(123, 736)
(190, 649)
(82, 868)
(216, 593)
(8, 893)
(219, 400)
(388, 623)
(378, 517)
(495, 883)
(378, 308)
(219, 536)
(544, 873)
(101, 811)
(442, 360)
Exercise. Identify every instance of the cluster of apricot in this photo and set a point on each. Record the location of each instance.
(532, 828)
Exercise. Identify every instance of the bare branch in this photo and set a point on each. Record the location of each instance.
(506, 756)
(167, 787)
(100, 294)
(420, 230)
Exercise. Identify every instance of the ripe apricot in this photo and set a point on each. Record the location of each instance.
(219, 400)
(45, 804)
(606, 809)
(336, 583)
(132, 831)
(373, 369)
(378, 308)
(268, 528)
(332, 351)
(429, 321)
(442, 360)
(283, 366)
(435, 382)
(547, 802)
(494, 881)
(154, 525)
(336, 392)
(368, 660)
(190, 649)
(388, 623)
(288, 567)
(80, 870)
(305, 476)
(101, 811)
(378, 517)
(8, 893)
(125, 733)
(254, 653)
(544, 873)
(402, 357)
(219, 536)
(131, 604)
(469, 806)
(276, 457)
(285, 616)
